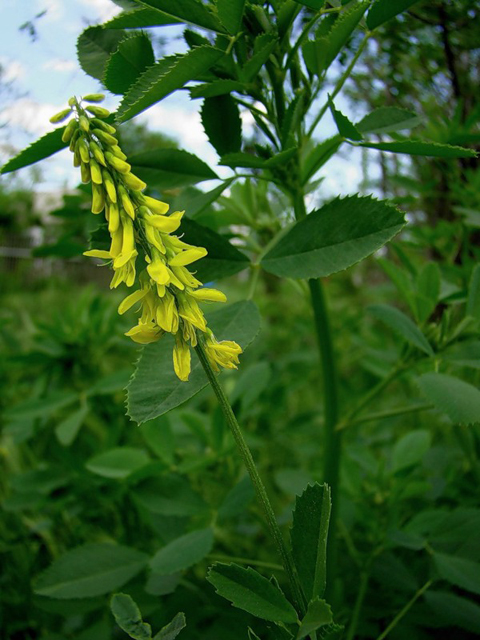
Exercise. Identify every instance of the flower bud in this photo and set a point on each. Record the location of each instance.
(187, 257)
(157, 206)
(82, 148)
(126, 202)
(72, 101)
(84, 123)
(60, 116)
(133, 182)
(109, 185)
(97, 153)
(98, 198)
(96, 171)
(115, 149)
(116, 163)
(105, 137)
(100, 112)
(104, 126)
(85, 172)
(71, 127)
(74, 139)
(113, 217)
(94, 97)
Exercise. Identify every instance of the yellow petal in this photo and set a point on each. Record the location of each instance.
(132, 299)
(98, 253)
(156, 205)
(181, 358)
(210, 295)
(187, 257)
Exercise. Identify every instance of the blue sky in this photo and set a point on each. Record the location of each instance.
(45, 73)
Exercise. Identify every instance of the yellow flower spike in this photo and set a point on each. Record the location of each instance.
(109, 186)
(167, 224)
(113, 217)
(98, 198)
(167, 314)
(85, 172)
(134, 182)
(128, 302)
(104, 126)
(224, 353)
(105, 137)
(157, 269)
(157, 206)
(60, 116)
(188, 309)
(84, 123)
(145, 333)
(154, 238)
(117, 163)
(71, 127)
(98, 253)
(208, 295)
(187, 257)
(126, 202)
(181, 358)
(93, 97)
(99, 112)
(97, 153)
(82, 148)
(96, 172)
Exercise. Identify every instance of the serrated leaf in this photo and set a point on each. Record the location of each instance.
(401, 324)
(319, 155)
(252, 67)
(319, 614)
(291, 120)
(421, 148)
(172, 629)
(230, 13)
(345, 128)
(249, 161)
(182, 552)
(309, 538)
(248, 590)
(410, 449)
(156, 83)
(459, 400)
(155, 389)
(128, 62)
(42, 148)
(117, 463)
(473, 300)
(384, 10)
(67, 430)
(189, 11)
(222, 124)
(216, 88)
(341, 31)
(334, 238)
(95, 46)
(90, 570)
(170, 168)
(386, 119)
(140, 19)
(461, 572)
(128, 617)
(222, 260)
(315, 55)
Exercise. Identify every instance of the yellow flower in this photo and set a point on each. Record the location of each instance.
(145, 333)
(224, 353)
(181, 358)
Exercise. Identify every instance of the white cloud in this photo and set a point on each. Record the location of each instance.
(12, 69)
(30, 115)
(58, 64)
(101, 10)
(54, 8)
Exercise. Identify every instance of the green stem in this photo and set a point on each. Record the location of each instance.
(338, 87)
(255, 478)
(391, 413)
(257, 563)
(362, 591)
(405, 610)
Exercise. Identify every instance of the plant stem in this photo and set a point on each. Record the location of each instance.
(362, 591)
(405, 610)
(389, 413)
(257, 563)
(256, 480)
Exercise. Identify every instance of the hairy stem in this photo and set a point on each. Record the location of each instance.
(258, 485)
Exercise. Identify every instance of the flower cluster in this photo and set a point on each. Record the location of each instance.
(168, 293)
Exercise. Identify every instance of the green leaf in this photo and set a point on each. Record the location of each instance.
(334, 238)
(248, 590)
(237, 499)
(159, 437)
(128, 617)
(130, 60)
(119, 462)
(170, 168)
(199, 203)
(319, 156)
(44, 407)
(189, 11)
(309, 538)
(345, 128)
(249, 161)
(94, 47)
(464, 354)
(67, 430)
(155, 389)
(139, 19)
(156, 82)
(182, 552)
(473, 300)
(452, 396)
(110, 384)
(461, 572)
(384, 10)
(386, 119)
(428, 290)
(169, 495)
(216, 88)
(318, 615)
(90, 570)
(172, 629)
(316, 5)
(341, 31)
(230, 13)
(452, 610)
(222, 260)
(410, 449)
(42, 148)
(421, 148)
(252, 67)
(401, 324)
(222, 124)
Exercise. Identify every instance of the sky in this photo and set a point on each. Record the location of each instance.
(44, 73)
